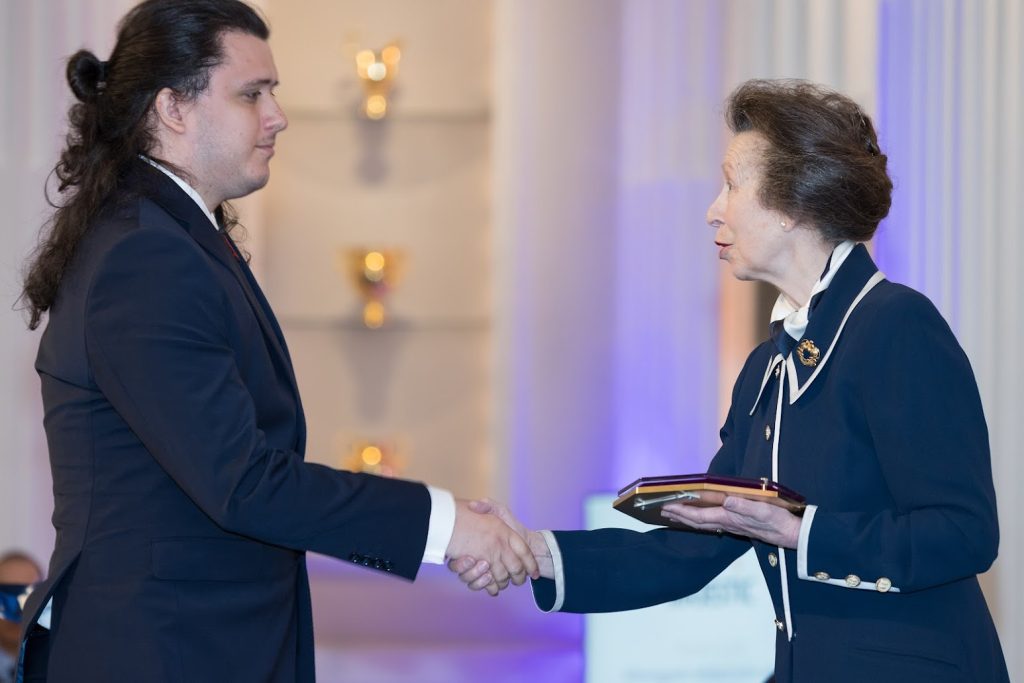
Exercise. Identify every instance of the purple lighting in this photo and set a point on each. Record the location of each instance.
(919, 91)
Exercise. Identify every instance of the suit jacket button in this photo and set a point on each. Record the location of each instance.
(779, 625)
(367, 561)
(852, 580)
(822, 576)
(883, 585)
(389, 566)
(773, 559)
(378, 563)
(355, 557)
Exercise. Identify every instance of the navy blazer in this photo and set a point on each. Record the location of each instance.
(182, 504)
(884, 435)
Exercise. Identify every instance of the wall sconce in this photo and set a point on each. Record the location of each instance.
(373, 457)
(377, 70)
(376, 273)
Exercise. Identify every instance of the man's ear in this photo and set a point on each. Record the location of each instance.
(169, 110)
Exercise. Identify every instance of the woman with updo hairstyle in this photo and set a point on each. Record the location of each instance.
(861, 400)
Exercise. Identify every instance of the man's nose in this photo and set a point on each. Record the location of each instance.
(277, 119)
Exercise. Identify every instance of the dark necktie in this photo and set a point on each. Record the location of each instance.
(231, 246)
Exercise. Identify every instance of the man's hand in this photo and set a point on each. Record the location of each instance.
(763, 521)
(485, 537)
(476, 573)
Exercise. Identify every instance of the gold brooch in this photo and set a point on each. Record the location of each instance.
(808, 353)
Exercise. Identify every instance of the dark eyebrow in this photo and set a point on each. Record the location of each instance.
(259, 83)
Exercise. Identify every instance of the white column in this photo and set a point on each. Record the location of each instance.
(667, 365)
(36, 37)
(555, 181)
(951, 124)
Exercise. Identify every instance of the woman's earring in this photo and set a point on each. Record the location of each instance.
(782, 223)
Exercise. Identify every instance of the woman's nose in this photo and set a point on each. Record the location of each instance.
(713, 217)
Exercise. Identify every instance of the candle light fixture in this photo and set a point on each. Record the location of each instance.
(371, 456)
(375, 272)
(377, 70)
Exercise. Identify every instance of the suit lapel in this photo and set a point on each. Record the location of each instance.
(162, 190)
(855, 278)
(268, 323)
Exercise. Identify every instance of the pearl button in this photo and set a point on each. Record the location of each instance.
(883, 585)
(773, 559)
(852, 580)
(822, 576)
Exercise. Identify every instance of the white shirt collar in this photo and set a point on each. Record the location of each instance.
(188, 189)
(795, 319)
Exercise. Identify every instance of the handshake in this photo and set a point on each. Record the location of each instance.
(491, 549)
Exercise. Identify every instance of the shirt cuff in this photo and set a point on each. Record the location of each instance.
(803, 540)
(441, 527)
(556, 561)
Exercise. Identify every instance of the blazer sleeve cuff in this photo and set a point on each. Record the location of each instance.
(882, 585)
(549, 594)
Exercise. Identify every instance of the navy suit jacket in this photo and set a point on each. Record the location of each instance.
(182, 504)
(885, 435)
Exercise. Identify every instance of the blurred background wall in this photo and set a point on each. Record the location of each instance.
(558, 323)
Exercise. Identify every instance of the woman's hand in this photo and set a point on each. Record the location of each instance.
(477, 575)
(763, 521)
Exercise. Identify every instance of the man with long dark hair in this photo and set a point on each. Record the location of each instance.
(182, 504)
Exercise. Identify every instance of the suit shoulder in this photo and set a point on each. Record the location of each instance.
(892, 304)
(116, 233)
(145, 237)
(144, 255)
(893, 294)
(895, 319)
(150, 277)
(126, 224)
